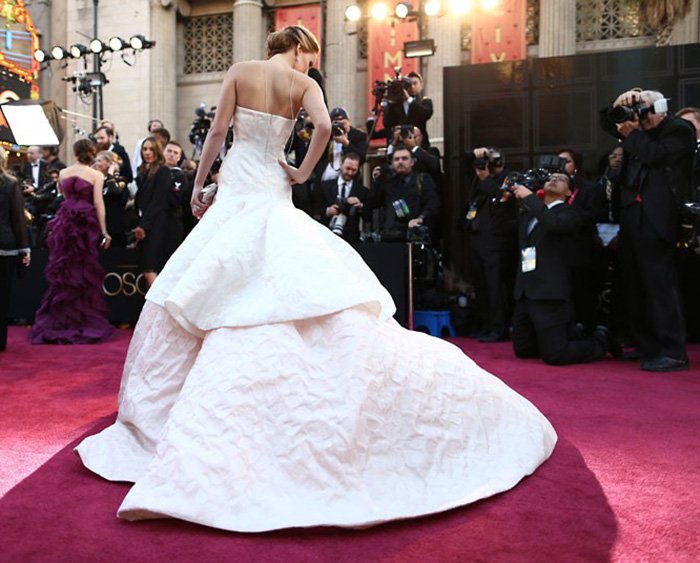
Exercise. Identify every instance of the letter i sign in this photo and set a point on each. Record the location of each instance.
(500, 35)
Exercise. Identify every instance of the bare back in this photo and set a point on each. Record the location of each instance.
(265, 87)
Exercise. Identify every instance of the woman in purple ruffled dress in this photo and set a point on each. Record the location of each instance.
(73, 310)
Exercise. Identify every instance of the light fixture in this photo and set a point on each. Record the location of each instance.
(461, 7)
(41, 56)
(489, 4)
(353, 13)
(78, 50)
(96, 46)
(379, 11)
(420, 48)
(432, 7)
(59, 53)
(139, 42)
(402, 10)
(117, 44)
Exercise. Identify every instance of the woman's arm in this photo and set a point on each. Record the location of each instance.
(216, 135)
(99, 204)
(312, 102)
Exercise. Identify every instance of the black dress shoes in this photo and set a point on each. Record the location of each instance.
(664, 363)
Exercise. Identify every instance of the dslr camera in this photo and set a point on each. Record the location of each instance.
(494, 159)
(620, 114)
(338, 222)
(535, 178)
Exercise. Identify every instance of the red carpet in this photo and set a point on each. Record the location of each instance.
(622, 484)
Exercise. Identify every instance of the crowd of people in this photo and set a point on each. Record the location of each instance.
(540, 263)
(538, 268)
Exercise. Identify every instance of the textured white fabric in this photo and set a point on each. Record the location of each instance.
(267, 386)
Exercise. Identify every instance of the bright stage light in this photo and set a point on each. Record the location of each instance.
(402, 10)
(41, 56)
(96, 46)
(461, 7)
(432, 7)
(139, 42)
(117, 44)
(76, 51)
(59, 53)
(379, 11)
(353, 13)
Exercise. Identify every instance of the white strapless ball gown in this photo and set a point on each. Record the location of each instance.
(267, 385)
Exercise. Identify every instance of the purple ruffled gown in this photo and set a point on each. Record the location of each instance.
(73, 310)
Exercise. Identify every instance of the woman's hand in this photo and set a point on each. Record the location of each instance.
(106, 241)
(199, 208)
(295, 176)
(26, 260)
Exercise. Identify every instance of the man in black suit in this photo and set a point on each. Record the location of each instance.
(297, 147)
(35, 171)
(345, 200)
(543, 291)
(655, 178)
(104, 138)
(344, 139)
(491, 223)
(411, 109)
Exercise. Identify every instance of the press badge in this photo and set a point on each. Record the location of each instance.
(471, 214)
(528, 259)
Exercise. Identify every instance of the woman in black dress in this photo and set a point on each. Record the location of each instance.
(159, 232)
(115, 194)
(13, 239)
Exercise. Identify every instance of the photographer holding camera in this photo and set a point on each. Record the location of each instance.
(655, 179)
(345, 200)
(409, 199)
(406, 105)
(543, 286)
(344, 139)
(296, 149)
(490, 219)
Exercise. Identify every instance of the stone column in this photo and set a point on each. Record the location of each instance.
(557, 28)
(445, 31)
(688, 29)
(340, 63)
(163, 66)
(248, 30)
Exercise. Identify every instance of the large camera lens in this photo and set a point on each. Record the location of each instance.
(620, 114)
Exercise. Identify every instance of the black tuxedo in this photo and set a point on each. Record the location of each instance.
(419, 111)
(43, 173)
(543, 307)
(328, 193)
(357, 143)
(655, 177)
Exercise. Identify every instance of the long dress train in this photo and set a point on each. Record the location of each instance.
(267, 386)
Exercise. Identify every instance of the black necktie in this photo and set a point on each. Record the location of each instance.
(342, 190)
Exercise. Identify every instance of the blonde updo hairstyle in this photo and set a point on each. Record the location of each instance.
(288, 38)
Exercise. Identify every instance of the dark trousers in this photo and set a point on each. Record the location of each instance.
(7, 272)
(650, 287)
(488, 269)
(541, 329)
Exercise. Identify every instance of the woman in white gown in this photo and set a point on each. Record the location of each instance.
(267, 386)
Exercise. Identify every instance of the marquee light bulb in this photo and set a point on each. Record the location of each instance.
(432, 7)
(353, 13)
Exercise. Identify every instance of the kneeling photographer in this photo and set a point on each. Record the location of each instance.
(409, 200)
(542, 319)
(655, 179)
(344, 201)
(490, 220)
